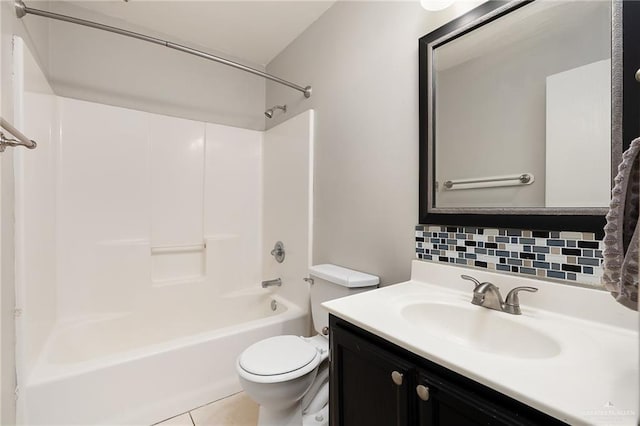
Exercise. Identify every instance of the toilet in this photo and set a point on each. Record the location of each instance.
(288, 376)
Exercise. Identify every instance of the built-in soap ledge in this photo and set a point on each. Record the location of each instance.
(178, 248)
(171, 264)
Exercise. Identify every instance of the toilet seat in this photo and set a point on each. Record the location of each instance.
(278, 359)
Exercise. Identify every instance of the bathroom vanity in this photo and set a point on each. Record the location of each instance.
(375, 382)
(419, 353)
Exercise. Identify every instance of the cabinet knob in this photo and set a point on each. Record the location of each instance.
(638, 75)
(423, 392)
(397, 377)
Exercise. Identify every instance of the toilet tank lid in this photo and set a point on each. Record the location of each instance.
(343, 276)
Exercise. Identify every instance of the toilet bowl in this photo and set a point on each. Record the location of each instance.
(288, 376)
(278, 372)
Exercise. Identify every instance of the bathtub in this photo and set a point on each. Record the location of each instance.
(126, 368)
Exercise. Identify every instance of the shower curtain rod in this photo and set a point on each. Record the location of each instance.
(20, 139)
(22, 10)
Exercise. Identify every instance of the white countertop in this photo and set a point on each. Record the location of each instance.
(591, 377)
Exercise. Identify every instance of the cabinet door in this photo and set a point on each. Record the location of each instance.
(441, 402)
(368, 386)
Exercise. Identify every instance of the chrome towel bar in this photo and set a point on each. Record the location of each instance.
(522, 179)
(20, 139)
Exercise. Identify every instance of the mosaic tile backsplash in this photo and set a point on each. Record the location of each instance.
(569, 256)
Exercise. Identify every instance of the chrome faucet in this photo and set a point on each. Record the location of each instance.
(272, 283)
(488, 296)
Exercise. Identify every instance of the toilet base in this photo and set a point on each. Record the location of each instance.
(319, 418)
(292, 416)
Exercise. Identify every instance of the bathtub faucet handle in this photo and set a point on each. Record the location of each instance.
(278, 252)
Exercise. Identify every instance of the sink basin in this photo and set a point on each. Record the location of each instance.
(481, 329)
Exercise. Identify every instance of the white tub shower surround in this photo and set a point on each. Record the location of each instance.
(140, 255)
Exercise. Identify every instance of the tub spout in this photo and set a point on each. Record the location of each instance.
(271, 283)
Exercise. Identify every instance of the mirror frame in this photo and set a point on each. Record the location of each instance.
(535, 218)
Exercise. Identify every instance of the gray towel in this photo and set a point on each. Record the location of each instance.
(621, 232)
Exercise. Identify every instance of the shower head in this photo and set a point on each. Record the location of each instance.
(269, 113)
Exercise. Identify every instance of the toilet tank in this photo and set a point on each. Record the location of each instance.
(332, 282)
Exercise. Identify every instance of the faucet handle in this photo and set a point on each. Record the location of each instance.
(512, 302)
(470, 278)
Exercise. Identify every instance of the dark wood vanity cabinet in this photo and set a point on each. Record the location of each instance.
(376, 383)
(361, 379)
(450, 404)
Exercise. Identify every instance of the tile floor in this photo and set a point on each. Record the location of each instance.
(236, 410)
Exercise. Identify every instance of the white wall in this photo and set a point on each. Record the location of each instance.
(35, 240)
(7, 279)
(233, 204)
(135, 189)
(104, 207)
(177, 197)
(288, 204)
(107, 68)
(9, 26)
(362, 60)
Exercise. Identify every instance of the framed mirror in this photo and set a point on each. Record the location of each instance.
(520, 115)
